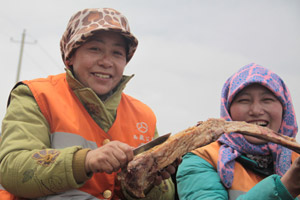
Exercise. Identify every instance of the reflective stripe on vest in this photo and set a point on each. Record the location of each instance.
(135, 124)
(61, 140)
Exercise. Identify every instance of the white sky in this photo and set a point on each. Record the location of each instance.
(187, 48)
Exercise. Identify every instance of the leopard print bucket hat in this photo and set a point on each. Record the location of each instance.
(85, 23)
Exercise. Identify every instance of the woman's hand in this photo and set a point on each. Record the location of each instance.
(108, 158)
(167, 171)
(291, 179)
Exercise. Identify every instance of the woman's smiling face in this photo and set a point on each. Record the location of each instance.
(99, 63)
(258, 105)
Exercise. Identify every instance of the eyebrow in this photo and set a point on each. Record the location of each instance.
(101, 41)
(263, 93)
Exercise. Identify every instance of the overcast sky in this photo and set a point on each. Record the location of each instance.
(187, 48)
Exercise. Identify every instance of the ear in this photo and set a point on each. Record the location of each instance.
(69, 64)
(69, 61)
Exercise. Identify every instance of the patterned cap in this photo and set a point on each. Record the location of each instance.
(85, 23)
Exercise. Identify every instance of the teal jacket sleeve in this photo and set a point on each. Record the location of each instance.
(270, 188)
(197, 179)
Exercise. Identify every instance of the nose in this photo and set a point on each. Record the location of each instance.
(256, 109)
(105, 60)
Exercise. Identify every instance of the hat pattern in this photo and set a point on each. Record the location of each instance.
(85, 23)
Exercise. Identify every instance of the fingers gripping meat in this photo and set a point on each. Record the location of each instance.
(141, 171)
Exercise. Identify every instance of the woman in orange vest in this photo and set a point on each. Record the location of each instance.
(68, 135)
(244, 167)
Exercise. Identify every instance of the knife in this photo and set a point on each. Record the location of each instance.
(149, 145)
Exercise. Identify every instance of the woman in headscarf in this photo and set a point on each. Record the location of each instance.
(67, 136)
(244, 167)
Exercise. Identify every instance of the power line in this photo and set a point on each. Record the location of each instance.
(49, 56)
(54, 61)
(35, 62)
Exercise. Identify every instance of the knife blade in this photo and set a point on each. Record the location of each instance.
(151, 144)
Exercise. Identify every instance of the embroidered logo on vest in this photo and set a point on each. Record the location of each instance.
(142, 127)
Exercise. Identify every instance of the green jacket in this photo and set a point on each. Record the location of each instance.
(25, 131)
(198, 179)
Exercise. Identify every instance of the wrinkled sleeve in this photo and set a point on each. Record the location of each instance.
(197, 179)
(270, 188)
(29, 167)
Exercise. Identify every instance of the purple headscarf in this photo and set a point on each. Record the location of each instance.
(234, 144)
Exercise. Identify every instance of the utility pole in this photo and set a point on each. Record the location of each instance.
(21, 54)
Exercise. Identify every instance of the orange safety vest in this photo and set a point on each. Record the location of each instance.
(135, 123)
(210, 153)
(4, 195)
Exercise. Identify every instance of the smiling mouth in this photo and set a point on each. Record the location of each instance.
(260, 123)
(104, 76)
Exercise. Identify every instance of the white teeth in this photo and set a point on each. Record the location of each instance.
(102, 75)
(260, 123)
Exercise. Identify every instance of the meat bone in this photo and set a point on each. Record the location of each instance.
(141, 171)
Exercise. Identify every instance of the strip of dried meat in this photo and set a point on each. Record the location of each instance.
(141, 171)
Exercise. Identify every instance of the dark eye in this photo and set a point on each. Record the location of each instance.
(243, 100)
(269, 99)
(95, 49)
(118, 53)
